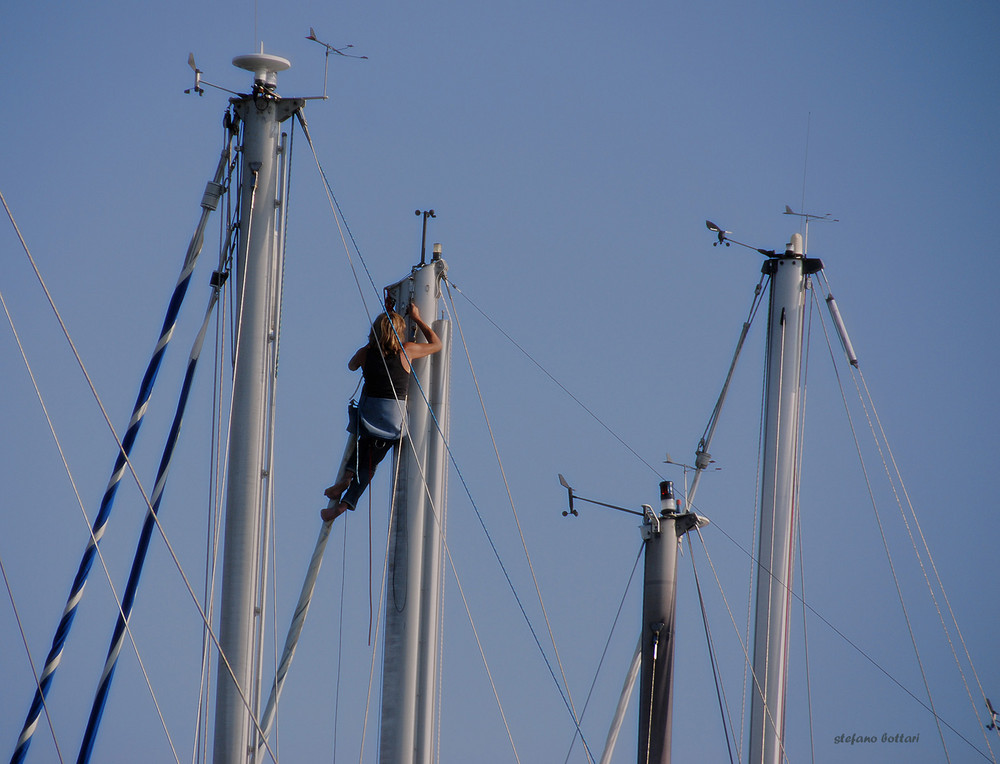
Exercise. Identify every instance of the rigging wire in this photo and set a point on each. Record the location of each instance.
(10, 593)
(123, 447)
(342, 227)
(888, 554)
(940, 583)
(882, 444)
(451, 455)
(702, 457)
(510, 583)
(513, 508)
(27, 650)
(883, 438)
(607, 645)
(142, 547)
(297, 622)
(98, 528)
(758, 492)
(829, 624)
(702, 460)
(217, 468)
(300, 615)
(558, 384)
(339, 219)
(747, 662)
(382, 587)
(727, 719)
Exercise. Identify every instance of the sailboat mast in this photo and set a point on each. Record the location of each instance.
(257, 308)
(779, 492)
(411, 655)
(659, 598)
(661, 535)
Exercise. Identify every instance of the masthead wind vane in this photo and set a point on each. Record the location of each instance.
(724, 239)
(329, 48)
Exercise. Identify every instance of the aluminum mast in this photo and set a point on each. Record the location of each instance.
(662, 534)
(257, 298)
(413, 607)
(779, 498)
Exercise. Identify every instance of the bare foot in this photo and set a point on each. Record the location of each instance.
(329, 514)
(336, 490)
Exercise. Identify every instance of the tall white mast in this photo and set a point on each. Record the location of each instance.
(411, 658)
(779, 495)
(257, 308)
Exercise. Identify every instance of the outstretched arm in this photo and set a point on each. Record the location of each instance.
(416, 350)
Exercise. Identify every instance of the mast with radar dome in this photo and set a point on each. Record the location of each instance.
(257, 303)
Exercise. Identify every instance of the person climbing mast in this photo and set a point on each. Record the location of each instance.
(385, 365)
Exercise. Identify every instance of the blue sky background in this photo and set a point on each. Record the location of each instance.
(572, 152)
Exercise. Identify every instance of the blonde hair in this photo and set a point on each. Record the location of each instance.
(387, 333)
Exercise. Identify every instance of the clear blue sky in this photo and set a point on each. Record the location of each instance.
(572, 152)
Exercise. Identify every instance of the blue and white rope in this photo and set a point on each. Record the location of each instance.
(209, 202)
(128, 600)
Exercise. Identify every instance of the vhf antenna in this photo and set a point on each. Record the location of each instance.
(330, 49)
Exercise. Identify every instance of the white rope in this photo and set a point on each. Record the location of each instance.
(27, 651)
(937, 575)
(62, 456)
(847, 640)
(752, 560)
(214, 514)
(559, 384)
(513, 509)
(881, 438)
(720, 689)
(142, 491)
(613, 730)
(747, 661)
(885, 545)
(10, 593)
(340, 229)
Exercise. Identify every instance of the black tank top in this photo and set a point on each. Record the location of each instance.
(378, 383)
